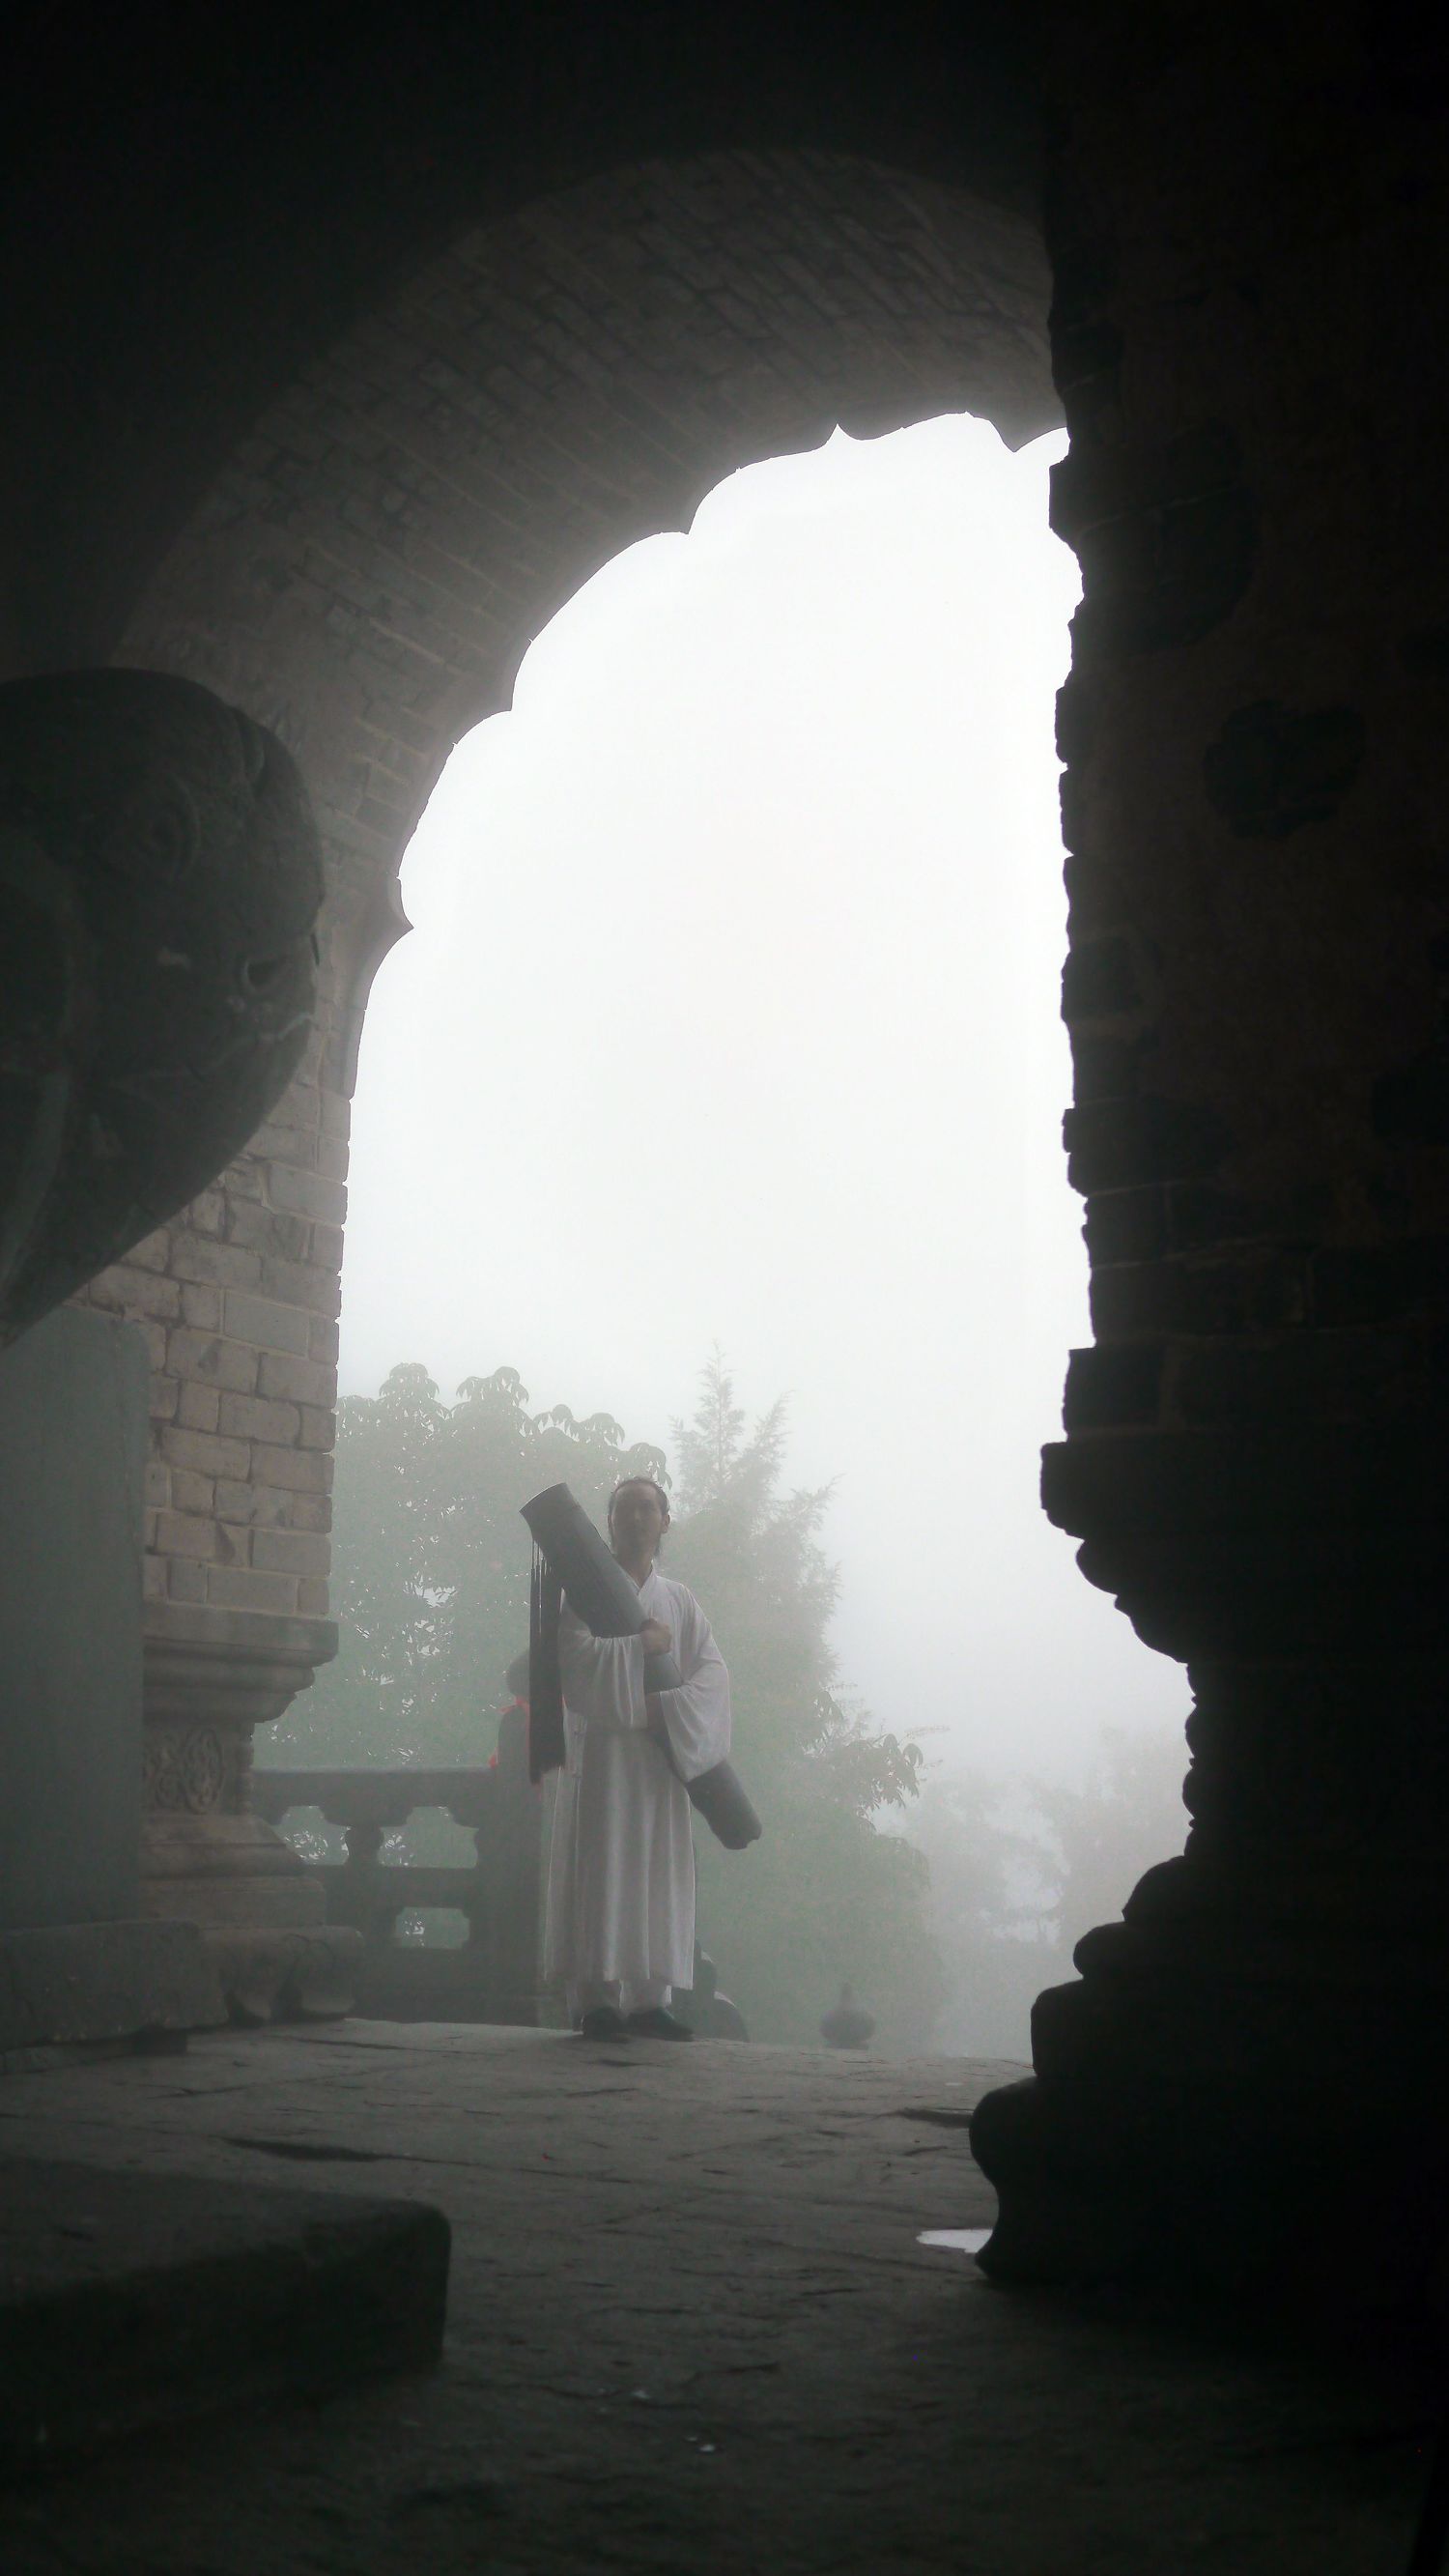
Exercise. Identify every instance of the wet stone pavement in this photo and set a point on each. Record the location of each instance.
(692, 2326)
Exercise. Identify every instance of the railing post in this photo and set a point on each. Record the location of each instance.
(513, 1877)
(358, 1892)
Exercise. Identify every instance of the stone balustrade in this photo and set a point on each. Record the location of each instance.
(493, 1975)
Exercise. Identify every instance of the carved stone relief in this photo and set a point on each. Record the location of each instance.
(190, 1770)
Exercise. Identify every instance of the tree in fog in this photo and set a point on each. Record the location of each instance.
(432, 1567)
(1020, 1869)
(987, 1878)
(432, 1561)
(824, 1898)
(1097, 1839)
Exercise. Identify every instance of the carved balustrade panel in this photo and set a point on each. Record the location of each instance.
(493, 1974)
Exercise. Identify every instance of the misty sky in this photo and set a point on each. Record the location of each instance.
(730, 1015)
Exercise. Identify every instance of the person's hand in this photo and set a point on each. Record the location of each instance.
(655, 1638)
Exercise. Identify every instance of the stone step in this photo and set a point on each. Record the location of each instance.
(130, 2301)
(67, 1982)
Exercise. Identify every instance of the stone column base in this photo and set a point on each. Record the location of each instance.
(286, 1974)
(1252, 2120)
(211, 1677)
(76, 1982)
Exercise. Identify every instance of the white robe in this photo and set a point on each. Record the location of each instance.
(621, 1863)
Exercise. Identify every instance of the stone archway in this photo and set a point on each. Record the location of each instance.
(1244, 255)
(365, 577)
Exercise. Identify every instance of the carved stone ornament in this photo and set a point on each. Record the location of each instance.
(159, 888)
(185, 1770)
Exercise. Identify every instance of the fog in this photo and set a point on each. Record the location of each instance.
(731, 1016)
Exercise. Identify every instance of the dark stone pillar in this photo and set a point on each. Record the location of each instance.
(1246, 2088)
(79, 1961)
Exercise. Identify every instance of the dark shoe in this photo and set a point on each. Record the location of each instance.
(658, 2024)
(602, 2022)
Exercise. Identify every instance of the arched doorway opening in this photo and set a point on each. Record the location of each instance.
(366, 577)
(730, 1013)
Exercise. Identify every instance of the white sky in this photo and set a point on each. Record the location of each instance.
(730, 1015)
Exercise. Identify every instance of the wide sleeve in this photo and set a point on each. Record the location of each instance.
(697, 1716)
(602, 1677)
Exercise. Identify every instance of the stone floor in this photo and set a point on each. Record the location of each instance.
(693, 2328)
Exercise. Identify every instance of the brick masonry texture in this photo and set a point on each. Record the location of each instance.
(366, 577)
(1245, 762)
(237, 1510)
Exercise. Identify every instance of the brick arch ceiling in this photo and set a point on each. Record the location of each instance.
(371, 566)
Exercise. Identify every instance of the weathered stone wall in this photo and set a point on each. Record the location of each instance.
(1259, 898)
(1249, 228)
(202, 216)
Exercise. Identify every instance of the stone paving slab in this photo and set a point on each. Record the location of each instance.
(692, 2328)
(129, 2300)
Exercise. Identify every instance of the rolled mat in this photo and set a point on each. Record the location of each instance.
(601, 1594)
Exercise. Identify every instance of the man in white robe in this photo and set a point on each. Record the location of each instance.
(620, 1914)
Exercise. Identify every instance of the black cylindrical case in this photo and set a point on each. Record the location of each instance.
(599, 1590)
(719, 1797)
(601, 1594)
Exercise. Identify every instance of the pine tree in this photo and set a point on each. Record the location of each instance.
(708, 1448)
(825, 1898)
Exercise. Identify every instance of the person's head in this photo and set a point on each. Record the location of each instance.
(638, 1516)
(516, 1677)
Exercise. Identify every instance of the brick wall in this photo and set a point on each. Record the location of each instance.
(238, 1298)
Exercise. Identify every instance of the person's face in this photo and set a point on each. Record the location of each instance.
(637, 1520)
